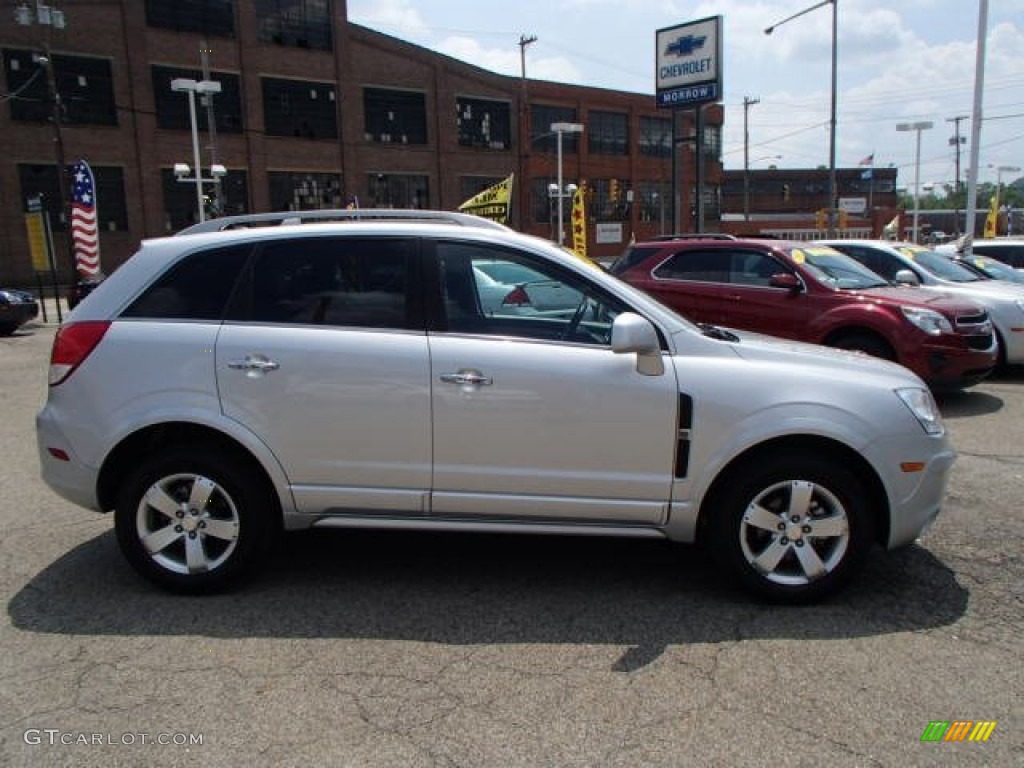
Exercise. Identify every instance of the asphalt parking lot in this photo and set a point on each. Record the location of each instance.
(411, 650)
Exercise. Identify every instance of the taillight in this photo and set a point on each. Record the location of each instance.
(72, 344)
(518, 297)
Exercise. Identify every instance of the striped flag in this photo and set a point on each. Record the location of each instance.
(84, 231)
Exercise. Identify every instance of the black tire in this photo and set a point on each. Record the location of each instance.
(866, 343)
(7, 330)
(790, 564)
(216, 522)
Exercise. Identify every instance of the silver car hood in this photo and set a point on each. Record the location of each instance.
(757, 347)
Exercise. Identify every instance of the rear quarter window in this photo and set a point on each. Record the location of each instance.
(196, 288)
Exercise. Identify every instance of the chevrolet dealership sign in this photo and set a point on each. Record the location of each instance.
(689, 63)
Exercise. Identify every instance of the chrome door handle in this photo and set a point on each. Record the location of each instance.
(254, 364)
(467, 378)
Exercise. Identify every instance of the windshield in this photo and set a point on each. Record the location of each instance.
(938, 265)
(835, 269)
(997, 270)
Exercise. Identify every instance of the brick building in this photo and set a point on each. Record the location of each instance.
(313, 112)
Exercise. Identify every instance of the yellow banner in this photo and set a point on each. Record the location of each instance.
(579, 221)
(992, 220)
(492, 203)
(37, 241)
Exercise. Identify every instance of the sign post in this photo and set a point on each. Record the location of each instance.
(688, 66)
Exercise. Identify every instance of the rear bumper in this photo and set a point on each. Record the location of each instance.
(69, 478)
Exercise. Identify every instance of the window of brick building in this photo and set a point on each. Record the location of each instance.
(111, 208)
(291, 191)
(484, 123)
(541, 138)
(655, 137)
(180, 197)
(397, 190)
(298, 108)
(472, 185)
(298, 23)
(172, 109)
(85, 84)
(608, 133)
(395, 117)
(607, 199)
(654, 201)
(209, 17)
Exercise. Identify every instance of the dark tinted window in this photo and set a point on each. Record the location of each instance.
(395, 117)
(703, 266)
(172, 110)
(484, 123)
(880, 263)
(85, 84)
(332, 281)
(298, 108)
(197, 288)
(299, 23)
(40, 181)
(210, 17)
(631, 258)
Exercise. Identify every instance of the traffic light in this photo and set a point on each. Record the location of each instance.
(844, 219)
(613, 190)
(785, 192)
(821, 218)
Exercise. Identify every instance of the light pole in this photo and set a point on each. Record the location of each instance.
(181, 170)
(832, 114)
(562, 128)
(923, 125)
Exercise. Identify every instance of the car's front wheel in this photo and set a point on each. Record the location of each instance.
(191, 521)
(792, 529)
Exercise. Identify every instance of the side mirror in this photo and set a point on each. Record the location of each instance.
(786, 280)
(633, 334)
(907, 277)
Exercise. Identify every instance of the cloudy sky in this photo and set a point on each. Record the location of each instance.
(899, 61)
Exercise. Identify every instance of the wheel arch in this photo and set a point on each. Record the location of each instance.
(148, 440)
(834, 336)
(878, 501)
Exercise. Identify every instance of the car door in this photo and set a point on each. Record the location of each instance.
(534, 416)
(324, 357)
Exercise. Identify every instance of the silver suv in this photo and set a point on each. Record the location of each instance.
(223, 386)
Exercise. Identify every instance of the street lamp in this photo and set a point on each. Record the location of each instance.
(923, 125)
(562, 128)
(832, 114)
(181, 170)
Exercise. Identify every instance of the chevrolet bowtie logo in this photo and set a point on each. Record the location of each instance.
(685, 46)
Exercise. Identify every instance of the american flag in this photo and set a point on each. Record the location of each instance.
(84, 232)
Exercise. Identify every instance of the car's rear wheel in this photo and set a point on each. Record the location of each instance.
(191, 521)
(793, 528)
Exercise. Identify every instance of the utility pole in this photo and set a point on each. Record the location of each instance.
(747, 104)
(956, 141)
(211, 124)
(524, 131)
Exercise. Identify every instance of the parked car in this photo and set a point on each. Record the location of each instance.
(1008, 250)
(16, 309)
(223, 386)
(911, 264)
(531, 288)
(82, 288)
(985, 266)
(815, 294)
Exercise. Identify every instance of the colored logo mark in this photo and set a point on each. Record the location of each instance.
(685, 46)
(958, 730)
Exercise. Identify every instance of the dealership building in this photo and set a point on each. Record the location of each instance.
(311, 111)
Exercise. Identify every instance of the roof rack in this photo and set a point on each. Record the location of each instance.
(692, 236)
(281, 218)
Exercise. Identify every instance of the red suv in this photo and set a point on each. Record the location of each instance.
(816, 294)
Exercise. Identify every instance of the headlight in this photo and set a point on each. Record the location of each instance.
(927, 320)
(922, 405)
